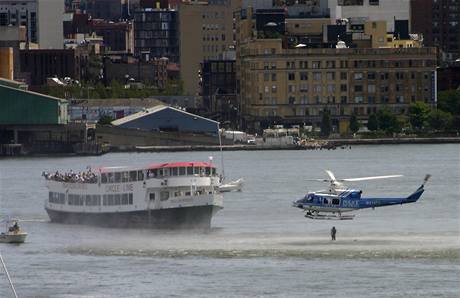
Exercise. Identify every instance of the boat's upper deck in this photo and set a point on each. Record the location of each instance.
(131, 174)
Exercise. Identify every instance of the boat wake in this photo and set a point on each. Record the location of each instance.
(440, 254)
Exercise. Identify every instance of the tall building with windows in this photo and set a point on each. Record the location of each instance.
(42, 19)
(371, 10)
(290, 85)
(439, 22)
(156, 34)
(206, 33)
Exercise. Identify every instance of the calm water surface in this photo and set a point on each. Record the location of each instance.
(259, 245)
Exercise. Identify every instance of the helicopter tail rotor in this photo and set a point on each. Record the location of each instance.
(427, 177)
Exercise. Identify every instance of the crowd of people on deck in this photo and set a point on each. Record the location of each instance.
(80, 177)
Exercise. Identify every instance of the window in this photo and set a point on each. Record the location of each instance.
(182, 171)
(330, 76)
(330, 64)
(291, 88)
(371, 75)
(164, 195)
(273, 77)
(371, 88)
(303, 88)
(291, 76)
(358, 99)
(152, 196)
(317, 88)
(343, 76)
(358, 75)
(189, 170)
(117, 177)
(266, 76)
(303, 76)
(316, 64)
(331, 88)
(274, 89)
(358, 88)
(317, 76)
(343, 87)
(132, 176)
(140, 175)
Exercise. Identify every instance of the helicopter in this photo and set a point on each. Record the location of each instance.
(338, 199)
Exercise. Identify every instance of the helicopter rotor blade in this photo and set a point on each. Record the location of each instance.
(331, 175)
(370, 178)
(318, 180)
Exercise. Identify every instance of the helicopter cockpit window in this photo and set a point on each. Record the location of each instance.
(355, 195)
(310, 198)
(335, 201)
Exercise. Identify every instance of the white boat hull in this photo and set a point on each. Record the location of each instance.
(236, 185)
(13, 237)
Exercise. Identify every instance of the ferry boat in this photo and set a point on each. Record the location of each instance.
(168, 195)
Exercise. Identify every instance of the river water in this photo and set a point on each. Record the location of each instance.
(259, 245)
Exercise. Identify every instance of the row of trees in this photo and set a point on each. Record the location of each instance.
(115, 90)
(421, 118)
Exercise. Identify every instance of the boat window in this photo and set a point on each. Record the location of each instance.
(196, 170)
(187, 193)
(335, 201)
(124, 199)
(125, 177)
(189, 170)
(326, 201)
(130, 198)
(105, 200)
(164, 195)
(166, 172)
(133, 176)
(160, 172)
(111, 199)
(174, 171)
(88, 200)
(117, 177)
(61, 198)
(118, 199)
(152, 196)
(182, 171)
(140, 175)
(213, 170)
(177, 193)
(56, 198)
(103, 178)
(110, 178)
(208, 171)
(76, 200)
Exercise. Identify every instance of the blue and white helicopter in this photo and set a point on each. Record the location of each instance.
(338, 199)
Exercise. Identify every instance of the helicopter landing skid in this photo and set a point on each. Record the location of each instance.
(329, 216)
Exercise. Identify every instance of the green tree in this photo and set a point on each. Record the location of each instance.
(440, 120)
(326, 123)
(373, 122)
(449, 101)
(354, 123)
(388, 121)
(94, 68)
(418, 114)
(105, 120)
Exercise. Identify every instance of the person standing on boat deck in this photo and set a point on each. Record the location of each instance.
(333, 232)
